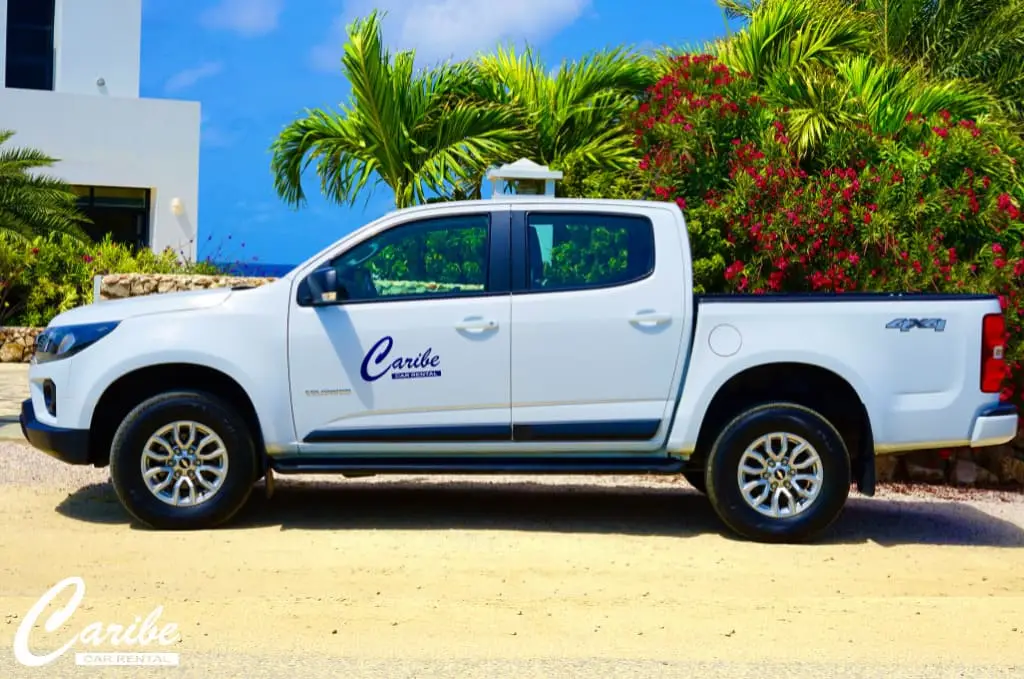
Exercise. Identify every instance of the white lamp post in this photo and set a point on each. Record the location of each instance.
(525, 178)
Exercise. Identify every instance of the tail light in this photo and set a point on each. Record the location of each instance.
(993, 363)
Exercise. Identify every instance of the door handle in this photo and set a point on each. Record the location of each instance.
(650, 318)
(476, 325)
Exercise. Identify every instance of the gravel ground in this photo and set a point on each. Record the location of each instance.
(318, 667)
(521, 577)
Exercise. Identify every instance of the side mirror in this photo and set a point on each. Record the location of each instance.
(324, 287)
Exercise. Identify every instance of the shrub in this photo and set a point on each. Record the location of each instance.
(934, 207)
(45, 276)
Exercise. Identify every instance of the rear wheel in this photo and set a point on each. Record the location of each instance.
(779, 472)
(183, 460)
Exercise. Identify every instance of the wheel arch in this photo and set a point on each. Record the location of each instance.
(130, 389)
(805, 384)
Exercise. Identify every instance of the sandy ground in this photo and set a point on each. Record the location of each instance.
(456, 577)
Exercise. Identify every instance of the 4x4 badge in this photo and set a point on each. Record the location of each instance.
(908, 324)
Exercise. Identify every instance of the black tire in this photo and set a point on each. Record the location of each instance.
(695, 477)
(723, 487)
(147, 419)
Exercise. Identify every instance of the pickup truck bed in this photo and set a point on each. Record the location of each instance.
(529, 335)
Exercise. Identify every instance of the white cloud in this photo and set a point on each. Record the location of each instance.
(451, 29)
(190, 76)
(214, 136)
(249, 18)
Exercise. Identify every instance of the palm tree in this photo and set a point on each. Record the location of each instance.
(405, 128)
(977, 40)
(575, 115)
(33, 204)
(830, 63)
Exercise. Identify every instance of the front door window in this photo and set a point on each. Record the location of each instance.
(444, 257)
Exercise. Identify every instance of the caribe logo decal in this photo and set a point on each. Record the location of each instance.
(401, 367)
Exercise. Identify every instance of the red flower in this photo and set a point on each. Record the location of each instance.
(733, 270)
(86, 258)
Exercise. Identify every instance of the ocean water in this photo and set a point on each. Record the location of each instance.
(259, 269)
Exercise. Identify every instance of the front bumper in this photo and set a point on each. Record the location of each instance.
(67, 445)
(995, 426)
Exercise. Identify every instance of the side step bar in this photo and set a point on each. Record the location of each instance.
(309, 464)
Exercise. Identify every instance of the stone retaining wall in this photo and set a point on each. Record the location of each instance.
(993, 467)
(120, 286)
(17, 344)
(1001, 466)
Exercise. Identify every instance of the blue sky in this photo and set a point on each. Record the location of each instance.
(255, 65)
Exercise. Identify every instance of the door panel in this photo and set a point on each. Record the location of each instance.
(417, 355)
(597, 327)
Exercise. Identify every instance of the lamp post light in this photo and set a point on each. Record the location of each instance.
(523, 178)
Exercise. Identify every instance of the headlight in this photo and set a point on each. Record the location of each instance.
(61, 342)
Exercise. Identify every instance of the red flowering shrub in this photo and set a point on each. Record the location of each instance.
(935, 207)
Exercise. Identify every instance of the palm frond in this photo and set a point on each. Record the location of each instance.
(738, 9)
(420, 132)
(576, 111)
(788, 35)
(31, 203)
(887, 92)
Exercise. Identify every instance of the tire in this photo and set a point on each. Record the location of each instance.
(213, 416)
(796, 422)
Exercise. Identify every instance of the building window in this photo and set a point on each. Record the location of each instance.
(30, 56)
(121, 212)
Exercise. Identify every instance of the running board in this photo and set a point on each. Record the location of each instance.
(310, 464)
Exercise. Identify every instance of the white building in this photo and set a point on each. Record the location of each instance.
(69, 71)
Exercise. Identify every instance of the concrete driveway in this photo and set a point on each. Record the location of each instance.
(13, 390)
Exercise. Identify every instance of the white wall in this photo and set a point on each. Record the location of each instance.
(98, 39)
(92, 39)
(107, 141)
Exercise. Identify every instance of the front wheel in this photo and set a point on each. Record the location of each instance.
(779, 472)
(183, 460)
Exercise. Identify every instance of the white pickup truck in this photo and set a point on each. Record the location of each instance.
(515, 335)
